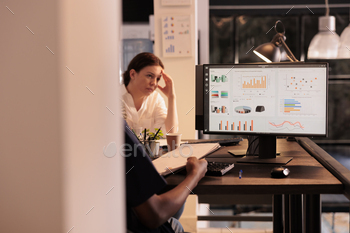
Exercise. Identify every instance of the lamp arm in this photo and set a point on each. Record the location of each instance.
(289, 53)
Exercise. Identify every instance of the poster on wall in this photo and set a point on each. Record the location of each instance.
(176, 36)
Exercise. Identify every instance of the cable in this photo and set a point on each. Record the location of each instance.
(257, 146)
(250, 143)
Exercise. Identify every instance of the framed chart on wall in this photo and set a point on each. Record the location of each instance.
(176, 36)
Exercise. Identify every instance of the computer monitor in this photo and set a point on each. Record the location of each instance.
(265, 100)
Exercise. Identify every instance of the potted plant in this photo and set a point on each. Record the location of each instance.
(155, 136)
(151, 144)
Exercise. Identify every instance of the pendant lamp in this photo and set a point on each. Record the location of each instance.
(324, 45)
(344, 44)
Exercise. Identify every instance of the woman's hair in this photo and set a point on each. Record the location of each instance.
(139, 62)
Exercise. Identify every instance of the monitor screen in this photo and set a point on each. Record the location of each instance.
(287, 99)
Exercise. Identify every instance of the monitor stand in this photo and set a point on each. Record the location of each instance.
(267, 152)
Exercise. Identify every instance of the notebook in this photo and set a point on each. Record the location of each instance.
(177, 159)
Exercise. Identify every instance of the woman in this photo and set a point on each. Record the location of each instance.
(144, 107)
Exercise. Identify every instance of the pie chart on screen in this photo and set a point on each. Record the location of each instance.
(243, 109)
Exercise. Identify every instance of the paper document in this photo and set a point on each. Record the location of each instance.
(163, 142)
(176, 159)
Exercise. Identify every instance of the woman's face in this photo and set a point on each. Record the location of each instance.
(146, 81)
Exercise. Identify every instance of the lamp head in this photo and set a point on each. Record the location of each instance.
(270, 52)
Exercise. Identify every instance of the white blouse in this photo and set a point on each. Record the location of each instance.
(151, 115)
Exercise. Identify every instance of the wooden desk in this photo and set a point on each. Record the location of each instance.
(297, 195)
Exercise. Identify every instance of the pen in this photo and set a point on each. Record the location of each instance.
(144, 136)
(156, 133)
(240, 174)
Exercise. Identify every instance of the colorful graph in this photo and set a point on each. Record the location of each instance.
(220, 109)
(170, 49)
(286, 125)
(254, 82)
(224, 94)
(243, 109)
(291, 105)
(184, 32)
(301, 83)
(218, 78)
(240, 126)
(215, 94)
(176, 36)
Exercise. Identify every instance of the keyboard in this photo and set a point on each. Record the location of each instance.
(218, 169)
(221, 141)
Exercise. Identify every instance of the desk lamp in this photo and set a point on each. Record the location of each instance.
(271, 52)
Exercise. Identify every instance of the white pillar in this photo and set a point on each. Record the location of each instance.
(58, 75)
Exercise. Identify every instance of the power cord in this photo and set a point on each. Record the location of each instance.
(251, 143)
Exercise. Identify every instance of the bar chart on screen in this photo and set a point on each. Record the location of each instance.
(291, 105)
(297, 106)
(219, 109)
(236, 125)
(254, 82)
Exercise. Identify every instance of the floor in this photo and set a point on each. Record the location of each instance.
(337, 222)
(340, 152)
(232, 230)
(331, 223)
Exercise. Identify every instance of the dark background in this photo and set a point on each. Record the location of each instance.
(139, 10)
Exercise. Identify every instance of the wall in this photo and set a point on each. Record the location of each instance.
(182, 70)
(58, 75)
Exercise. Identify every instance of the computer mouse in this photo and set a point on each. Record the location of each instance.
(279, 172)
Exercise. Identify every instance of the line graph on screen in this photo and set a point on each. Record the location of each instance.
(291, 126)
